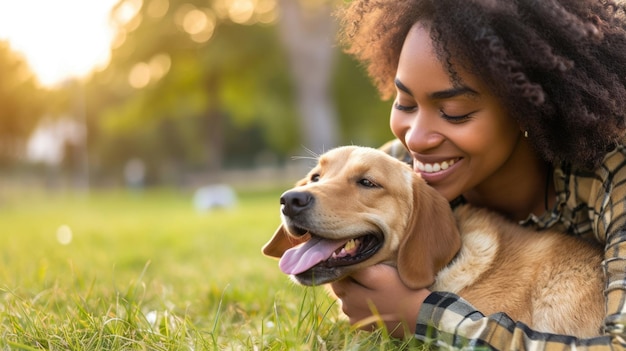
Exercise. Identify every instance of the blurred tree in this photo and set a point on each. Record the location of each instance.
(308, 31)
(364, 117)
(193, 83)
(194, 63)
(21, 103)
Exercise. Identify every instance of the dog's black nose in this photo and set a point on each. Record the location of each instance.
(294, 202)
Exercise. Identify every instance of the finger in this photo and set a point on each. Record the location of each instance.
(341, 287)
(375, 276)
(365, 280)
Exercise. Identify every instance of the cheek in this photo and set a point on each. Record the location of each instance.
(479, 145)
(488, 150)
(495, 133)
(503, 135)
(397, 125)
(474, 142)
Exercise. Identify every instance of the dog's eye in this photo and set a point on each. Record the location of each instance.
(367, 183)
(315, 178)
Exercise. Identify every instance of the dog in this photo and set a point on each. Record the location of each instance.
(359, 207)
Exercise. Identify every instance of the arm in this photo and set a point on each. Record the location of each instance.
(446, 319)
(614, 266)
(443, 319)
(604, 194)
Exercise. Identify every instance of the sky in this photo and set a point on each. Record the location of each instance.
(59, 38)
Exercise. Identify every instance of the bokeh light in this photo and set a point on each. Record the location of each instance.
(139, 75)
(158, 8)
(64, 235)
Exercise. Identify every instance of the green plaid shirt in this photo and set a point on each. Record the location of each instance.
(590, 205)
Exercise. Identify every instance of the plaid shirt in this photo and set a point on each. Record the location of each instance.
(590, 205)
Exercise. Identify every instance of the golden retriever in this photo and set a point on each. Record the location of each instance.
(359, 207)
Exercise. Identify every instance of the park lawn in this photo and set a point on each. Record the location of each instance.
(145, 271)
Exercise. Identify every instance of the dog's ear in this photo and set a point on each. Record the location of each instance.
(281, 241)
(432, 239)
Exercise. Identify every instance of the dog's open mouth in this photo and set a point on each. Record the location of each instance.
(318, 251)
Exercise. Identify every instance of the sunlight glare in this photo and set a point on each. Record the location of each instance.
(199, 25)
(158, 8)
(241, 11)
(144, 73)
(127, 11)
(266, 11)
(60, 39)
(247, 12)
(194, 21)
(139, 75)
(159, 65)
(64, 235)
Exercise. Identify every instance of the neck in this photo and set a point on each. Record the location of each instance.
(524, 185)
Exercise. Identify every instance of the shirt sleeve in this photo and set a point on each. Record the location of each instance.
(446, 321)
(614, 266)
(607, 200)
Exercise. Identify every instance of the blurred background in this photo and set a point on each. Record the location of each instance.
(144, 145)
(182, 93)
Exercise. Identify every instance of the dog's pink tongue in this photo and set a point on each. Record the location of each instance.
(300, 258)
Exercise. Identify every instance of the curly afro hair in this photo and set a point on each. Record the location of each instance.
(558, 66)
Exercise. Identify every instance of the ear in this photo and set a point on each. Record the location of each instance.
(281, 241)
(432, 239)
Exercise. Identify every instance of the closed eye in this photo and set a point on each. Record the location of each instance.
(456, 119)
(404, 108)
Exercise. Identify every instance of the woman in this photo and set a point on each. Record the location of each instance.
(514, 105)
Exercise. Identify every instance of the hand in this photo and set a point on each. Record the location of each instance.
(376, 294)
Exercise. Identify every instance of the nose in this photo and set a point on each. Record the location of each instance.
(294, 202)
(420, 132)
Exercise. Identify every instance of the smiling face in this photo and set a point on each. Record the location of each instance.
(359, 207)
(459, 135)
(352, 205)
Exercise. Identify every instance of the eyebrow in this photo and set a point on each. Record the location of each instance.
(402, 87)
(440, 95)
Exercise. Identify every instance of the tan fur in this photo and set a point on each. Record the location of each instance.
(550, 281)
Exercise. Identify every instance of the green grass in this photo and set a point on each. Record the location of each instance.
(145, 271)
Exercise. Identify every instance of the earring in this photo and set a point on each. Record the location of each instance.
(525, 134)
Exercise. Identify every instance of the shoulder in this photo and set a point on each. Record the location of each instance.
(597, 188)
(592, 202)
(615, 160)
(397, 150)
(612, 169)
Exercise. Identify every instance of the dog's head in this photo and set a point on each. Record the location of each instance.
(358, 207)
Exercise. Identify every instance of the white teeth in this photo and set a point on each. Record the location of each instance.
(434, 167)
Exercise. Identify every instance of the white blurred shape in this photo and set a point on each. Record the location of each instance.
(135, 172)
(64, 235)
(214, 196)
(47, 142)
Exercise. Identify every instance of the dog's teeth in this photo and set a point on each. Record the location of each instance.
(349, 245)
(349, 249)
(340, 253)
